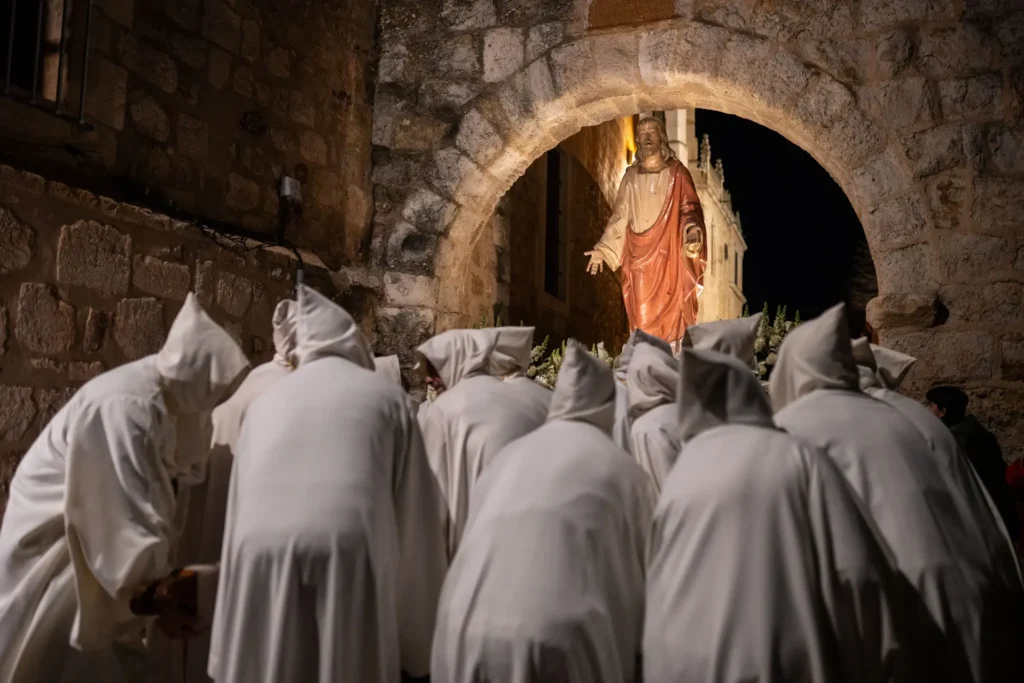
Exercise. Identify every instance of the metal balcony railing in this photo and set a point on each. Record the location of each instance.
(44, 58)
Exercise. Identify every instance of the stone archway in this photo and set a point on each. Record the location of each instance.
(909, 110)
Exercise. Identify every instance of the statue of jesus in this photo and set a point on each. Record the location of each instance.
(656, 234)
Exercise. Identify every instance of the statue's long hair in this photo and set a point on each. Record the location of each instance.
(666, 151)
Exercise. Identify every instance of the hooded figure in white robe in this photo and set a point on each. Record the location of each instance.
(478, 413)
(955, 630)
(548, 582)
(91, 517)
(389, 367)
(334, 549)
(651, 379)
(988, 547)
(200, 542)
(652, 376)
(763, 565)
(621, 428)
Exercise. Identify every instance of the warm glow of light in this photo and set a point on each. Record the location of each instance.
(629, 135)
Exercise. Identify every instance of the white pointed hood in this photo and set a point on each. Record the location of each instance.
(389, 367)
(200, 365)
(457, 354)
(732, 337)
(284, 323)
(815, 355)
(585, 390)
(621, 363)
(880, 367)
(652, 377)
(325, 329)
(716, 389)
(512, 349)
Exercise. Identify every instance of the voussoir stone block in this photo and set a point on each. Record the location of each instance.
(93, 255)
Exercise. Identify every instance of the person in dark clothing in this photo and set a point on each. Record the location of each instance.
(980, 446)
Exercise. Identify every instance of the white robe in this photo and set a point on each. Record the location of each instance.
(334, 548)
(956, 628)
(478, 413)
(389, 367)
(621, 428)
(201, 541)
(91, 517)
(651, 382)
(763, 566)
(548, 582)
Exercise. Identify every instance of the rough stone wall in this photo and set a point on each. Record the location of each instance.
(593, 309)
(914, 107)
(210, 102)
(87, 284)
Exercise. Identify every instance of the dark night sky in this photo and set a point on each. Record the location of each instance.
(800, 229)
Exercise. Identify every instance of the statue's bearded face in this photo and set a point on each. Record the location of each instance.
(649, 139)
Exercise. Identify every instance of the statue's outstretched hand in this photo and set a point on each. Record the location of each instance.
(596, 264)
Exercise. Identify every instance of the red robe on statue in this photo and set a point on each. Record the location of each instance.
(660, 282)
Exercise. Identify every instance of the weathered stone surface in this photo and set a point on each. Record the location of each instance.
(279, 62)
(542, 38)
(106, 101)
(409, 290)
(206, 284)
(503, 53)
(935, 150)
(948, 356)
(82, 371)
(904, 270)
(877, 14)
(243, 194)
(301, 108)
(17, 410)
(151, 119)
(467, 16)
(396, 66)
(283, 139)
(998, 205)
(190, 50)
(313, 147)
(1012, 360)
(893, 53)
(234, 294)
(880, 177)
(904, 104)
(326, 189)
(426, 211)
(990, 304)
(477, 138)
(460, 57)
(95, 256)
(50, 401)
(45, 323)
(947, 195)
(17, 243)
(250, 40)
(4, 322)
(220, 67)
(414, 324)
(242, 81)
(893, 311)
(153, 276)
(417, 133)
(148, 63)
(957, 51)
(139, 327)
(96, 325)
(978, 98)
(410, 250)
(965, 258)
(1010, 32)
(193, 137)
(898, 220)
(1007, 146)
(221, 25)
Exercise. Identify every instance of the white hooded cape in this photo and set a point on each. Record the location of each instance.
(333, 551)
(201, 540)
(389, 367)
(651, 379)
(91, 517)
(548, 583)
(621, 428)
(478, 413)
(953, 627)
(762, 565)
(735, 338)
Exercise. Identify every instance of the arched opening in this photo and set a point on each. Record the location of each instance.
(799, 245)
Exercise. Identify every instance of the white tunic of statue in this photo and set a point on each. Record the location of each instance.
(92, 511)
(763, 566)
(957, 631)
(478, 413)
(548, 583)
(334, 549)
